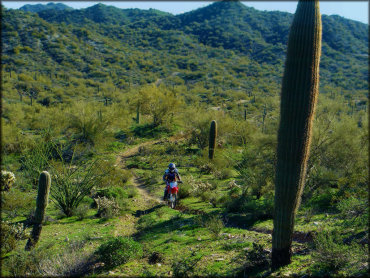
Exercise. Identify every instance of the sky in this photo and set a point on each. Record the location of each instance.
(356, 10)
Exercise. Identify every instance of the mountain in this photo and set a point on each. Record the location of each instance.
(50, 6)
(224, 44)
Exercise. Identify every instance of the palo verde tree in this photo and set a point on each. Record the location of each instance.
(298, 100)
(157, 102)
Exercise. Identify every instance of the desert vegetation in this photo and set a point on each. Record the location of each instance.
(100, 106)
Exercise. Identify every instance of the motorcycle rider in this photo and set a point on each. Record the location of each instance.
(171, 174)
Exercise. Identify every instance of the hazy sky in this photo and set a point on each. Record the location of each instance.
(356, 10)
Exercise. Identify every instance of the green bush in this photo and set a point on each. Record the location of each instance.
(119, 250)
(262, 207)
(184, 191)
(81, 211)
(355, 211)
(16, 202)
(323, 200)
(185, 267)
(223, 174)
(332, 256)
(257, 257)
(25, 263)
(213, 223)
(131, 190)
(107, 208)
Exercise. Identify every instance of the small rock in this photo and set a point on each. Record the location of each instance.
(219, 259)
(199, 238)
(158, 264)
(111, 272)
(316, 223)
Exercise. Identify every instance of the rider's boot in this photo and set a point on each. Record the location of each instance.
(165, 195)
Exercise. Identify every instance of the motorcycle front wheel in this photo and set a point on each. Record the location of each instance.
(172, 201)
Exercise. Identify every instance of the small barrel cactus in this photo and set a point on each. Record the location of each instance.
(212, 139)
(7, 180)
(41, 204)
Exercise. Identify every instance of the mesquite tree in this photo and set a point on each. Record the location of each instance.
(298, 100)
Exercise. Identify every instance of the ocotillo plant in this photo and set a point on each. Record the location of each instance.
(212, 139)
(41, 204)
(298, 100)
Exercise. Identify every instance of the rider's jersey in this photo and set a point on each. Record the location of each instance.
(168, 176)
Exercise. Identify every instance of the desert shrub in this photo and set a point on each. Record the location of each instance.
(156, 257)
(81, 211)
(331, 255)
(206, 168)
(262, 207)
(224, 173)
(26, 263)
(116, 176)
(72, 260)
(16, 202)
(257, 257)
(10, 233)
(114, 192)
(149, 130)
(147, 221)
(197, 187)
(107, 208)
(214, 225)
(323, 200)
(185, 267)
(7, 180)
(119, 250)
(184, 191)
(87, 126)
(355, 211)
(131, 190)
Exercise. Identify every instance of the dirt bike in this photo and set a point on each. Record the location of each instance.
(172, 190)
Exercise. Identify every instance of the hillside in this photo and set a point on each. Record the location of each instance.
(103, 99)
(40, 7)
(257, 37)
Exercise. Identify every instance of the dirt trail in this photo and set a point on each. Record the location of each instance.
(148, 199)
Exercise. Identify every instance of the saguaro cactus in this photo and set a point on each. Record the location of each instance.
(212, 139)
(138, 114)
(41, 204)
(298, 100)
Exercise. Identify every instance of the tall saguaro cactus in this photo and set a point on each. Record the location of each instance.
(41, 204)
(212, 139)
(298, 100)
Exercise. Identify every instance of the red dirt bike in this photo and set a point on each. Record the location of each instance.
(172, 190)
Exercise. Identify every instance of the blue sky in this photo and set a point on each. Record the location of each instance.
(356, 10)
